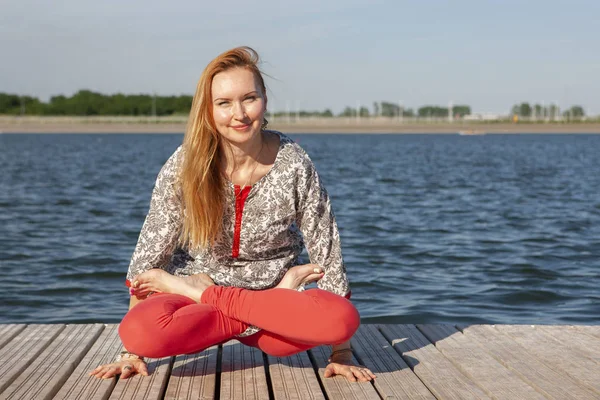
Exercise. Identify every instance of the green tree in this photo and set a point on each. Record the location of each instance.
(433, 111)
(461, 110)
(348, 112)
(10, 104)
(522, 110)
(574, 112)
(389, 109)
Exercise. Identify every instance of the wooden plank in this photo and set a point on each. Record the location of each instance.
(477, 364)
(243, 372)
(23, 349)
(592, 330)
(394, 378)
(557, 356)
(45, 375)
(442, 378)
(9, 331)
(194, 376)
(80, 385)
(151, 387)
(293, 378)
(339, 387)
(579, 341)
(536, 373)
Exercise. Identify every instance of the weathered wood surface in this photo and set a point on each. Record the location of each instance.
(410, 361)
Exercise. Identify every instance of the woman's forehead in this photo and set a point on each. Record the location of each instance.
(235, 81)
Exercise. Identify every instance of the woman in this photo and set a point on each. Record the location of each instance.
(217, 255)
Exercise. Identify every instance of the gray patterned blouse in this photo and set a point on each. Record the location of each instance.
(262, 236)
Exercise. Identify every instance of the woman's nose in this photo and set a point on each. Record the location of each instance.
(238, 111)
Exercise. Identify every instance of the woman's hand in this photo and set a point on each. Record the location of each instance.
(352, 372)
(126, 368)
(341, 363)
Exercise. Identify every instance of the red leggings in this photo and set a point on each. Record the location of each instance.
(169, 324)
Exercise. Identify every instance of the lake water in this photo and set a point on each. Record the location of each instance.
(435, 228)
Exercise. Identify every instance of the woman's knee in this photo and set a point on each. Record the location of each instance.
(142, 330)
(340, 321)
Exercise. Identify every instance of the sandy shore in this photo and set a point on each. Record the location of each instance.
(323, 125)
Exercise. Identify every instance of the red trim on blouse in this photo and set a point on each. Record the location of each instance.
(240, 200)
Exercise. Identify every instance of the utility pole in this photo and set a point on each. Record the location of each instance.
(154, 106)
(450, 112)
(400, 112)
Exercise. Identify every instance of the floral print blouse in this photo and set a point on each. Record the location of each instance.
(265, 228)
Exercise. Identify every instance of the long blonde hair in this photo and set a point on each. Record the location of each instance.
(201, 179)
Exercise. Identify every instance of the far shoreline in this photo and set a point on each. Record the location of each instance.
(176, 125)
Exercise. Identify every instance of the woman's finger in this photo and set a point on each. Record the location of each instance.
(126, 371)
(98, 372)
(142, 369)
(362, 376)
(349, 375)
(368, 374)
(109, 373)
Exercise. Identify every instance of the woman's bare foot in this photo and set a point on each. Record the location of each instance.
(158, 280)
(299, 275)
(201, 281)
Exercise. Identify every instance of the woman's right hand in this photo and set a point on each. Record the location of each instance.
(126, 368)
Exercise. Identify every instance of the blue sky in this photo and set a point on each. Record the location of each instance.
(320, 54)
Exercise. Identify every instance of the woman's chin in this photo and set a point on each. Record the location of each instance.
(241, 136)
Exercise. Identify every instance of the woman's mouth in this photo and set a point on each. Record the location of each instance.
(241, 127)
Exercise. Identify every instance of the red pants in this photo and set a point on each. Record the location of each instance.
(168, 324)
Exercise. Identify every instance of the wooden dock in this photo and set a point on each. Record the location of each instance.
(410, 361)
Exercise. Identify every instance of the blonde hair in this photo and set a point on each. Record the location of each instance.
(201, 179)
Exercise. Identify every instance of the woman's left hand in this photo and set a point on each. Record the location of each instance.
(352, 372)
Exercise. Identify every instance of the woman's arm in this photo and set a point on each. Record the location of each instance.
(160, 233)
(157, 241)
(319, 229)
(316, 221)
(340, 363)
(127, 364)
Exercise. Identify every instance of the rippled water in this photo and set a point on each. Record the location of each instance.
(435, 228)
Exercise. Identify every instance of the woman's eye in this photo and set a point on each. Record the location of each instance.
(222, 103)
(251, 98)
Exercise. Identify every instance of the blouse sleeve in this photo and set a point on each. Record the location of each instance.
(161, 229)
(317, 223)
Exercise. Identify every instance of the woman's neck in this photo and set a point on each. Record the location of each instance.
(241, 161)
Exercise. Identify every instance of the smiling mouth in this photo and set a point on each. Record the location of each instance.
(241, 127)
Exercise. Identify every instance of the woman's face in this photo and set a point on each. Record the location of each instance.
(238, 104)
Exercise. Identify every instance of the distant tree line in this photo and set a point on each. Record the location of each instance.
(301, 113)
(552, 111)
(86, 103)
(387, 109)
(89, 103)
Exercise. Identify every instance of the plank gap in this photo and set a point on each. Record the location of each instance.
(268, 376)
(218, 372)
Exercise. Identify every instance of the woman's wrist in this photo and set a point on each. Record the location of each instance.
(125, 355)
(341, 355)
